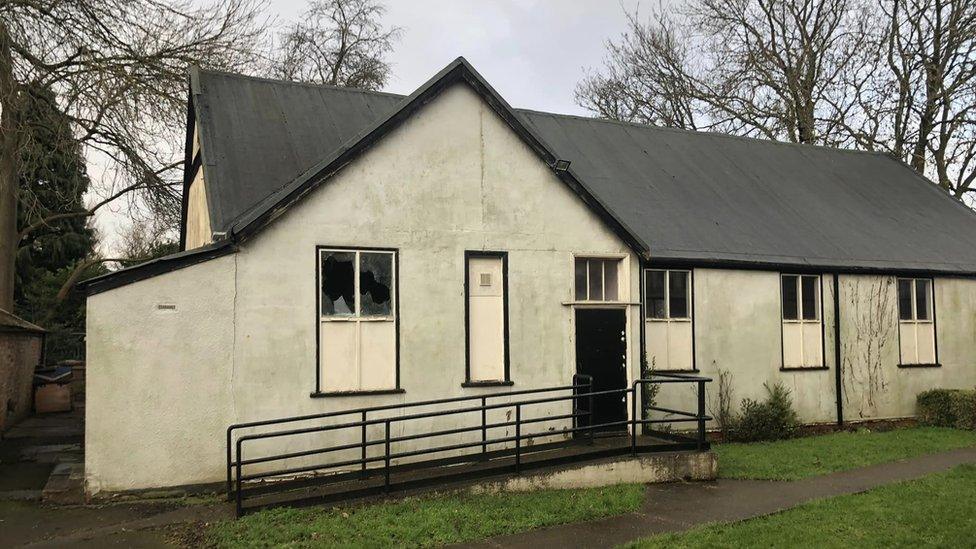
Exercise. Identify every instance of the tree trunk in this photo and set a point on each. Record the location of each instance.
(9, 138)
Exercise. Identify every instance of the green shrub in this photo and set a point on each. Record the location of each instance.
(947, 408)
(771, 419)
(964, 407)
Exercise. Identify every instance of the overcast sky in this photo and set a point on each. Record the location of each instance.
(532, 51)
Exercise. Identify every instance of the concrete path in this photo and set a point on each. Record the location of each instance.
(668, 508)
(680, 506)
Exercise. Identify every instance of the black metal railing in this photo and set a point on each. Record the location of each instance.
(580, 392)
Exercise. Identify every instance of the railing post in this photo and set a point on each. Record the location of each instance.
(701, 415)
(386, 459)
(484, 428)
(633, 418)
(364, 446)
(518, 438)
(589, 409)
(238, 495)
(229, 458)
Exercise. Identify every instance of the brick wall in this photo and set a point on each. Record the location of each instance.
(19, 354)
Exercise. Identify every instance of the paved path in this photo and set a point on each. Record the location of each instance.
(680, 506)
(667, 508)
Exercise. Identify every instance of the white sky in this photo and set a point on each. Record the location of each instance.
(532, 51)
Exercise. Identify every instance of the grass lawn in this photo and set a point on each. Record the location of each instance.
(818, 455)
(935, 511)
(425, 521)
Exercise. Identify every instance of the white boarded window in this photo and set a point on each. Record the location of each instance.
(357, 320)
(597, 279)
(668, 319)
(916, 321)
(487, 323)
(802, 323)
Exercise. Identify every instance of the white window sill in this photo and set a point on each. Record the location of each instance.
(602, 304)
(667, 320)
(357, 319)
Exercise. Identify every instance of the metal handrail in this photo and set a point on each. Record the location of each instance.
(579, 382)
(364, 411)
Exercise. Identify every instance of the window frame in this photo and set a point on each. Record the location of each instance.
(799, 320)
(915, 321)
(319, 319)
(818, 307)
(930, 300)
(357, 315)
(468, 382)
(604, 259)
(689, 296)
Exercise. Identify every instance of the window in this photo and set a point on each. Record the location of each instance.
(357, 320)
(596, 279)
(802, 323)
(356, 284)
(667, 310)
(486, 322)
(668, 294)
(916, 321)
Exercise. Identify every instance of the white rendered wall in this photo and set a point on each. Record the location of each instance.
(452, 178)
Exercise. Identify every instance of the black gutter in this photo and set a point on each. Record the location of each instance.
(156, 267)
(837, 353)
(805, 267)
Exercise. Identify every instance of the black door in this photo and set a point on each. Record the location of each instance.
(601, 352)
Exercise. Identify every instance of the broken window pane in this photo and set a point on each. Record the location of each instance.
(678, 294)
(610, 280)
(596, 279)
(338, 283)
(654, 286)
(580, 280)
(375, 284)
(905, 299)
(790, 305)
(922, 299)
(809, 292)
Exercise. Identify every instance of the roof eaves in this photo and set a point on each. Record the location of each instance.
(156, 267)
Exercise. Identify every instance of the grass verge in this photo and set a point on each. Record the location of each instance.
(935, 511)
(818, 455)
(424, 521)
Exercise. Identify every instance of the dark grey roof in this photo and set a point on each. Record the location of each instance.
(687, 195)
(257, 135)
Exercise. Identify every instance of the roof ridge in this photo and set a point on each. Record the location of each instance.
(699, 132)
(295, 83)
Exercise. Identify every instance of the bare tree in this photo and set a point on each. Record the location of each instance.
(764, 68)
(117, 70)
(337, 42)
(930, 48)
(891, 75)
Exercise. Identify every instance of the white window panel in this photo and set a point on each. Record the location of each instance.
(668, 326)
(916, 321)
(800, 297)
(357, 320)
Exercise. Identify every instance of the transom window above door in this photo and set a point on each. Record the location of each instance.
(597, 279)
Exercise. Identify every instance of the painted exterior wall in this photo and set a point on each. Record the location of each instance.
(160, 380)
(738, 330)
(198, 230)
(452, 178)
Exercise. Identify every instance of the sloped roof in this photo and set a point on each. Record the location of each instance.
(10, 322)
(693, 196)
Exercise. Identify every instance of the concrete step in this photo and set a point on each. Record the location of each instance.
(66, 485)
